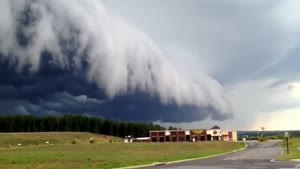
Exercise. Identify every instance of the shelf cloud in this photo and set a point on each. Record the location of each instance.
(78, 57)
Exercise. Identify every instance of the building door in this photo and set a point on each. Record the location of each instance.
(202, 138)
(167, 138)
(188, 138)
(209, 137)
(230, 135)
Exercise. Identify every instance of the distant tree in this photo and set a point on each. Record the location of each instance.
(98, 125)
(172, 128)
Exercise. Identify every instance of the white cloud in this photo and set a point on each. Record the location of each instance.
(287, 119)
(259, 105)
(121, 57)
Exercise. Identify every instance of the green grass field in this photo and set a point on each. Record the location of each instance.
(294, 147)
(62, 154)
(55, 138)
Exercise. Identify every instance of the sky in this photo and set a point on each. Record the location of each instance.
(190, 64)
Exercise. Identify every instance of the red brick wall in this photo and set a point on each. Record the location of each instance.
(161, 133)
(181, 133)
(153, 134)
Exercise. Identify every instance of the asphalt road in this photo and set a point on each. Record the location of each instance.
(256, 156)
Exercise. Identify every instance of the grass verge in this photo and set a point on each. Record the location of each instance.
(106, 155)
(294, 149)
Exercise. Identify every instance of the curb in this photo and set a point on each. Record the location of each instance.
(185, 160)
(274, 160)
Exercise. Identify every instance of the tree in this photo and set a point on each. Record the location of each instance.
(172, 128)
(26, 123)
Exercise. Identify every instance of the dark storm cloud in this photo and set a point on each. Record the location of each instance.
(55, 91)
(63, 92)
(59, 57)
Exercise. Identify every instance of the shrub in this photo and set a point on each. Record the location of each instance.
(262, 139)
(73, 141)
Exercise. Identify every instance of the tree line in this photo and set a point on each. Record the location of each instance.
(76, 123)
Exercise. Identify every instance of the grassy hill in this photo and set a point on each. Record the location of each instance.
(37, 139)
(107, 155)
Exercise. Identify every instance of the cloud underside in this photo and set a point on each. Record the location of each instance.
(54, 91)
(58, 57)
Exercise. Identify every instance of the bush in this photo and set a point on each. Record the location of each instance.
(110, 141)
(252, 138)
(262, 139)
(280, 136)
(73, 142)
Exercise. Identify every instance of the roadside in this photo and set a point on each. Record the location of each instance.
(185, 160)
(294, 150)
(257, 155)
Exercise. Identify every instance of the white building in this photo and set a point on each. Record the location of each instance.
(214, 134)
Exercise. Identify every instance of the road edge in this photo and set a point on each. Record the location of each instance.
(281, 153)
(274, 160)
(184, 160)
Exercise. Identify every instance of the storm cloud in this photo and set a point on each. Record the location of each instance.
(77, 57)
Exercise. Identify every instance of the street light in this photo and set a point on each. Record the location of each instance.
(262, 131)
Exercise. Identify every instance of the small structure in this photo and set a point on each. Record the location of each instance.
(128, 139)
(214, 134)
(230, 136)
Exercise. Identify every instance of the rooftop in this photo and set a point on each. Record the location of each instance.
(216, 127)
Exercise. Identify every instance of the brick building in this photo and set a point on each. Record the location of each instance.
(193, 135)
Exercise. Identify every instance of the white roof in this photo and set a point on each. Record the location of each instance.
(143, 138)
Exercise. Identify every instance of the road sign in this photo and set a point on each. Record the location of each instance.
(286, 134)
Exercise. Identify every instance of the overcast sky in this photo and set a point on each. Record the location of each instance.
(250, 47)
(192, 64)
